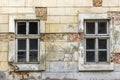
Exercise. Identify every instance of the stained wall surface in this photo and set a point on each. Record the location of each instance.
(61, 35)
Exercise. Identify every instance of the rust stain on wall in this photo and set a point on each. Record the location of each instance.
(52, 37)
(97, 3)
(70, 37)
(41, 12)
(73, 37)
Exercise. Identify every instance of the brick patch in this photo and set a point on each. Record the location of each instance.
(116, 58)
(41, 12)
(97, 3)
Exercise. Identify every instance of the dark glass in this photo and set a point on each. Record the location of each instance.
(21, 44)
(33, 56)
(21, 56)
(33, 44)
(102, 56)
(21, 28)
(102, 44)
(102, 27)
(90, 56)
(90, 27)
(33, 27)
(90, 43)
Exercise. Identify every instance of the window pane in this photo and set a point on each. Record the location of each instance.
(102, 56)
(33, 44)
(102, 27)
(21, 44)
(33, 27)
(90, 27)
(102, 43)
(21, 56)
(90, 56)
(90, 43)
(21, 28)
(33, 56)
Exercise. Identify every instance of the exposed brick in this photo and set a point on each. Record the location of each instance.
(41, 12)
(97, 3)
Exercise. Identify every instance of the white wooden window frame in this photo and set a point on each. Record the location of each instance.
(81, 58)
(12, 54)
(97, 36)
(27, 37)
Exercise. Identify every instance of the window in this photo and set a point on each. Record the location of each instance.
(27, 44)
(96, 41)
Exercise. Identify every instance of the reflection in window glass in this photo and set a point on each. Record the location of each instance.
(90, 43)
(21, 44)
(33, 56)
(21, 56)
(102, 56)
(33, 27)
(102, 44)
(90, 27)
(90, 56)
(33, 44)
(21, 28)
(102, 27)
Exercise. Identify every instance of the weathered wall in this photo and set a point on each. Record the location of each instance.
(61, 35)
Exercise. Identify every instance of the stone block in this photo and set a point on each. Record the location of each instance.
(25, 10)
(63, 66)
(60, 3)
(53, 19)
(67, 19)
(4, 46)
(70, 11)
(47, 28)
(82, 76)
(83, 3)
(3, 56)
(30, 3)
(56, 11)
(99, 9)
(16, 3)
(58, 28)
(3, 27)
(3, 65)
(4, 2)
(111, 3)
(3, 18)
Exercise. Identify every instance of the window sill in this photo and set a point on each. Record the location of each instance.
(27, 67)
(96, 67)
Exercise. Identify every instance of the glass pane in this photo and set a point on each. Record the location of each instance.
(21, 44)
(33, 44)
(33, 27)
(102, 27)
(21, 28)
(33, 56)
(90, 43)
(21, 56)
(102, 56)
(90, 56)
(102, 43)
(90, 27)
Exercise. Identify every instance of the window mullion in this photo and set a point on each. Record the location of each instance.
(27, 43)
(108, 47)
(96, 41)
(96, 28)
(96, 50)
